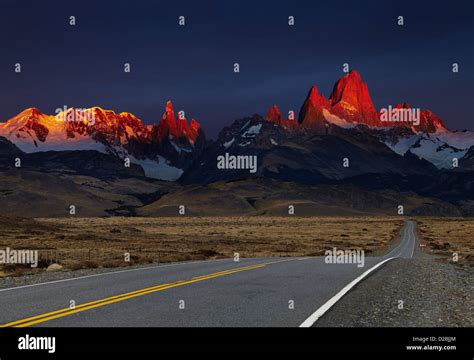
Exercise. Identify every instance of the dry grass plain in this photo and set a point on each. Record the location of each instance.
(79, 243)
(446, 236)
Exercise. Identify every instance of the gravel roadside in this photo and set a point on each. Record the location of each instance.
(408, 292)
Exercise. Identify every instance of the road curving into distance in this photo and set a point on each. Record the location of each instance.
(252, 292)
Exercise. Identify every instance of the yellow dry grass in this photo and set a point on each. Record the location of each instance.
(90, 242)
(447, 237)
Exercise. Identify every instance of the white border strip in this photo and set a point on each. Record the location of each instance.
(414, 240)
(320, 312)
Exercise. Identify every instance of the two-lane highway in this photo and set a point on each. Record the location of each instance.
(252, 292)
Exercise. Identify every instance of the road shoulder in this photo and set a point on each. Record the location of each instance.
(408, 292)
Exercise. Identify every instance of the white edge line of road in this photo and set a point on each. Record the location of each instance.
(414, 240)
(118, 272)
(320, 312)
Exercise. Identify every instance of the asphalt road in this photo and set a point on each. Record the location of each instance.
(252, 292)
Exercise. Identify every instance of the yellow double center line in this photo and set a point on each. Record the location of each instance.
(129, 295)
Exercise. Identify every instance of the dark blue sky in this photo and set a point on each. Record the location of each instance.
(82, 65)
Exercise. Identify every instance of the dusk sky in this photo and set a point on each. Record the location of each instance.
(82, 65)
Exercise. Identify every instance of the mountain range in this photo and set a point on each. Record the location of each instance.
(161, 149)
(341, 142)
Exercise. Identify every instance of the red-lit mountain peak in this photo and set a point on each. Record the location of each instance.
(315, 98)
(30, 122)
(30, 114)
(131, 120)
(169, 117)
(94, 128)
(350, 100)
(194, 125)
(194, 129)
(167, 124)
(178, 129)
(311, 113)
(34, 112)
(274, 115)
(182, 128)
(429, 122)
